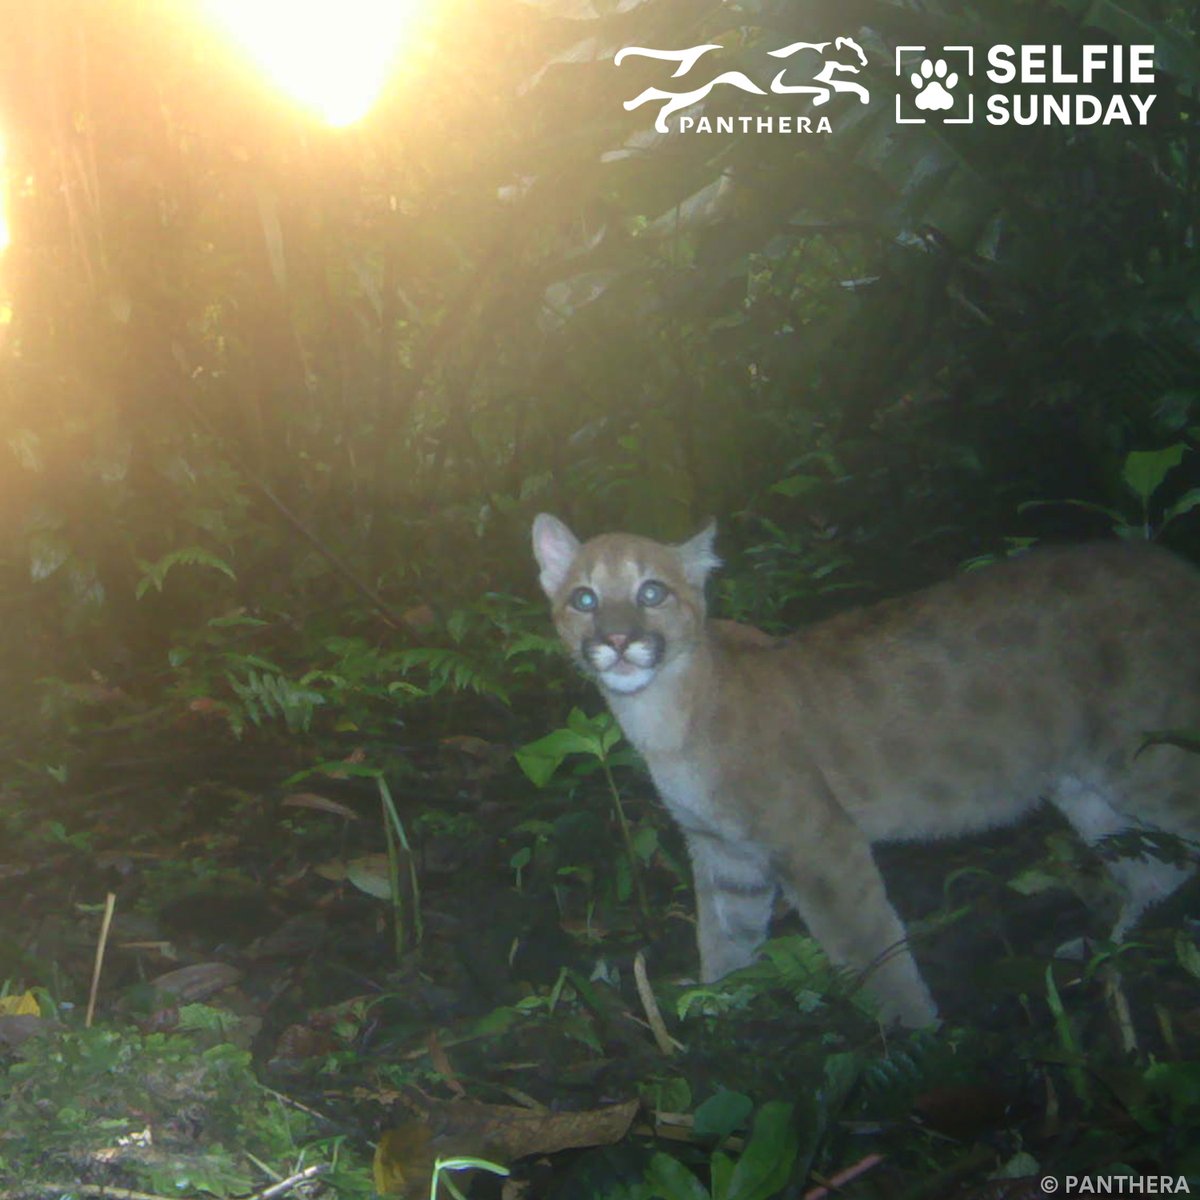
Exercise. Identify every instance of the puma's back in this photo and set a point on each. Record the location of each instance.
(950, 710)
(962, 703)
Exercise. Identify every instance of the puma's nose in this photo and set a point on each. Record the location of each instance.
(618, 641)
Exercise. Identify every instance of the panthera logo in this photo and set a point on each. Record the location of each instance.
(822, 69)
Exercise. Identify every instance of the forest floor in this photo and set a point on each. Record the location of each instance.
(282, 1001)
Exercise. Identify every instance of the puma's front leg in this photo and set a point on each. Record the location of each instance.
(841, 896)
(735, 892)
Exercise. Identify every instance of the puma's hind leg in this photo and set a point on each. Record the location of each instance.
(844, 903)
(1160, 792)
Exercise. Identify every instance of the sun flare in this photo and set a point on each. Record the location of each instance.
(332, 58)
(5, 230)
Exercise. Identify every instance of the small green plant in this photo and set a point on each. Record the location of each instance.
(400, 854)
(154, 574)
(596, 737)
(1143, 473)
(794, 963)
(1072, 1055)
(78, 1103)
(245, 668)
(270, 695)
(789, 566)
(761, 1172)
(442, 1165)
(56, 833)
(450, 667)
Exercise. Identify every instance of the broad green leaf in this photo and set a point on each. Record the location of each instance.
(624, 876)
(1118, 518)
(1184, 504)
(671, 1180)
(1145, 470)
(722, 1113)
(841, 1073)
(1034, 881)
(539, 760)
(235, 620)
(1187, 953)
(796, 485)
(767, 1160)
(600, 732)
(720, 1175)
(645, 843)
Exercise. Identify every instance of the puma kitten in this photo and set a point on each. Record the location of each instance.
(948, 711)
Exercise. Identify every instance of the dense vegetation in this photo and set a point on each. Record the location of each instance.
(279, 404)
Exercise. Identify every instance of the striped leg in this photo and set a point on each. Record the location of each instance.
(735, 892)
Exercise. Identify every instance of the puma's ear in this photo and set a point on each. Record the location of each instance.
(554, 547)
(698, 556)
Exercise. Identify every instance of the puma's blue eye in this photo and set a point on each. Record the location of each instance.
(652, 593)
(583, 600)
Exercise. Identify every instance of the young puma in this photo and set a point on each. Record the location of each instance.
(940, 713)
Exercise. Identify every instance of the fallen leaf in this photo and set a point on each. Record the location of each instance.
(500, 1133)
(404, 1160)
(505, 1132)
(319, 804)
(197, 982)
(441, 1064)
(299, 1042)
(353, 759)
(419, 617)
(369, 874)
(467, 743)
(372, 875)
(23, 1004)
(299, 935)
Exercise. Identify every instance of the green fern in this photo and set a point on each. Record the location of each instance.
(154, 574)
(449, 668)
(271, 697)
(924, 1059)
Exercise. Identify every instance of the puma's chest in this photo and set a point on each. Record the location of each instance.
(685, 781)
(687, 790)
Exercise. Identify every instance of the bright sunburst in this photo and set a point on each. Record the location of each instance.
(5, 231)
(332, 56)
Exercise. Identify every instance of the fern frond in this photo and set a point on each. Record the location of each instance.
(268, 697)
(154, 574)
(450, 668)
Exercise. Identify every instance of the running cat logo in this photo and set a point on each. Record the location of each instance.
(830, 78)
(929, 83)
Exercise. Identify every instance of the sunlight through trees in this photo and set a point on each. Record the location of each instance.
(332, 58)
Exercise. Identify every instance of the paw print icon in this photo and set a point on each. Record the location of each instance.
(933, 82)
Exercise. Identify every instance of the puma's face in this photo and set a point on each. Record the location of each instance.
(625, 606)
(617, 622)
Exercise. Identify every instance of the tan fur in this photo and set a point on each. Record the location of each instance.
(940, 713)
